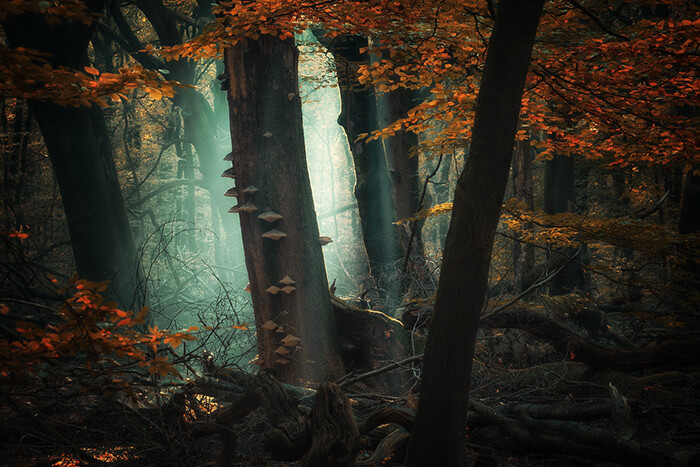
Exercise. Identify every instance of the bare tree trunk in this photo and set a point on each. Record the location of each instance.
(81, 154)
(559, 197)
(268, 154)
(373, 186)
(441, 419)
(523, 255)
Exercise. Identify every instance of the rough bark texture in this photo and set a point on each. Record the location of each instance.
(373, 187)
(81, 155)
(334, 433)
(268, 147)
(440, 430)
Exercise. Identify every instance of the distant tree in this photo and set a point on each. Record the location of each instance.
(373, 185)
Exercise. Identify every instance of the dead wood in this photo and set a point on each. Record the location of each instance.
(334, 433)
(289, 437)
(368, 339)
(391, 447)
(527, 433)
(580, 349)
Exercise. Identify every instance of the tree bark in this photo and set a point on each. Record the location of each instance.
(403, 167)
(268, 153)
(523, 255)
(81, 154)
(439, 434)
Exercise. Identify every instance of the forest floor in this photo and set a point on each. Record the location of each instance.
(529, 407)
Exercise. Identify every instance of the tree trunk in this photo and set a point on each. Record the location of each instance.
(558, 198)
(523, 255)
(403, 166)
(81, 154)
(440, 431)
(373, 186)
(268, 153)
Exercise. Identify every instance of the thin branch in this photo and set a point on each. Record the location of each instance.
(597, 21)
(345, 381)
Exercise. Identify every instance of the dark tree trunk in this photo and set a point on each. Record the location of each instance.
(403, 166)
(689, 224)
(373, 186)
(81, 155)
(523, 254)
(559, 197)
(440, 431)
(268, 153)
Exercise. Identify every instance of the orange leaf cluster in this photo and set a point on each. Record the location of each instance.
(88, 327)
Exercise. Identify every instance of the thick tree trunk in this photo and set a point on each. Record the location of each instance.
(373, 186)
(441, 419)
(268, 153)
(81, 155)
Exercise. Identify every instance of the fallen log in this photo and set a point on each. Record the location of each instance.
(577, 348)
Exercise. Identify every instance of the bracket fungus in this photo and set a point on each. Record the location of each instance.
(229, 173)
(274, 234)
(286, 280)
(229, 157)
(288, 289)
(282, 350)
(270, 216)
(250, 190)
(267, 135)
(290, 340)
(291, 96)
(231, 192)
(248, 207)
(325, 240)
(273, 290)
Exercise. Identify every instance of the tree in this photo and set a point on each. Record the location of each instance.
(373, 185)
(438, 437)
(81, 156)
(296, 330)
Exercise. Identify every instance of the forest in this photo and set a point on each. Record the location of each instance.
(349, 232)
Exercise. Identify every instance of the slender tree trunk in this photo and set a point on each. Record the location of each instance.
(199, 120)
(403, 167)
(81, 154)
(439, 434)
(523, 255)
(268, 148)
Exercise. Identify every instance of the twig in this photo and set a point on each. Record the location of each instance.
(344, 381)
(539, 283)
(597, 21)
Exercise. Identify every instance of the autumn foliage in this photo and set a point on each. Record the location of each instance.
(88, 328)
